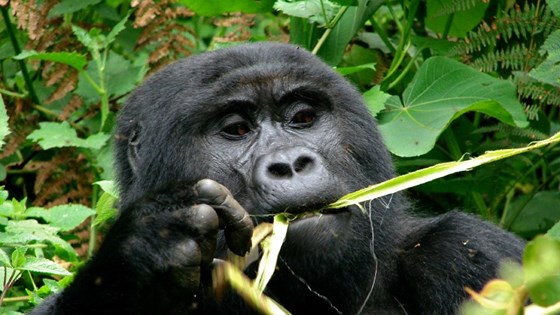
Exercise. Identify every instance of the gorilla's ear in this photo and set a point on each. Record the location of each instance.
(133, 150)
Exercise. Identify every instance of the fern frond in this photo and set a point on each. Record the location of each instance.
(515, 24)
(540, 93)
(532, 111)
(510, 58)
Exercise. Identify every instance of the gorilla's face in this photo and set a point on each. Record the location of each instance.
(274, 136)
(272, 123)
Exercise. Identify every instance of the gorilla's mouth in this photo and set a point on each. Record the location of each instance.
(314, 212)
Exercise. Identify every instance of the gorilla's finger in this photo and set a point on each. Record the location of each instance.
(236, 222)
(205, 222)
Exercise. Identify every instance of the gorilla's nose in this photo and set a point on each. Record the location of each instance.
(286, 164)
(292, 177)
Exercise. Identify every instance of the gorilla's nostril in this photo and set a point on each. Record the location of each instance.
(302, 164)
(280, 170)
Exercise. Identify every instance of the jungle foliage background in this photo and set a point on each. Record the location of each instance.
(446, 79)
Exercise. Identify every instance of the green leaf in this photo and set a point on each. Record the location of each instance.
(533, 214)
(4, 127)
(541, 261)
(344, 31)
(346, 2)
(70, 6)
(554, 232)
(375, 99)
(441, 91)
(313, 11)
(549, 70)
(354, 69)
(462, 21)
(554, 6)
(26, 231)
(546, 291)
(109, 186)
(4, 258)
(105, 209)
(73, 59)
(18, 257)
(120, 78)
(119, 27)
(3, 195)
(42, 265)
(86, 38)
(65, 217)
(57, 135)
(217, 7)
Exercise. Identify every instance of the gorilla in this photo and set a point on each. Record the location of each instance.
(218, 142)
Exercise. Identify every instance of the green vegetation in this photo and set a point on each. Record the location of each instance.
(446, 80)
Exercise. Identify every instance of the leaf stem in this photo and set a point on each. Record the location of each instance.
(448, 24)
(17, 50)
(330, 25)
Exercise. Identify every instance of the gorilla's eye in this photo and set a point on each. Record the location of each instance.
(237, 130)
(235, 126)
(303, 119)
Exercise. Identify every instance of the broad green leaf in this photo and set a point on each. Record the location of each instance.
(42, 265)
(462, 21)
(375, 99)
(271, 248)
(431, 173)
(73, 59)
(57, 135)
(4, 128)
(70, 6)
(218, 7)
(533, 215)
(441, 91)
(65, 217)
(549, 70)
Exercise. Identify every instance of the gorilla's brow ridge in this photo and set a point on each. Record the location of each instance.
(305, 93)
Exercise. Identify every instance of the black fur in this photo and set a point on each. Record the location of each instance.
(283, 132)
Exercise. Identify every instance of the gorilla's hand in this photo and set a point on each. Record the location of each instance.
(158, 256)
(172, 240)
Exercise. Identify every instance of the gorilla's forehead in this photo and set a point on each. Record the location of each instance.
(264, 85)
